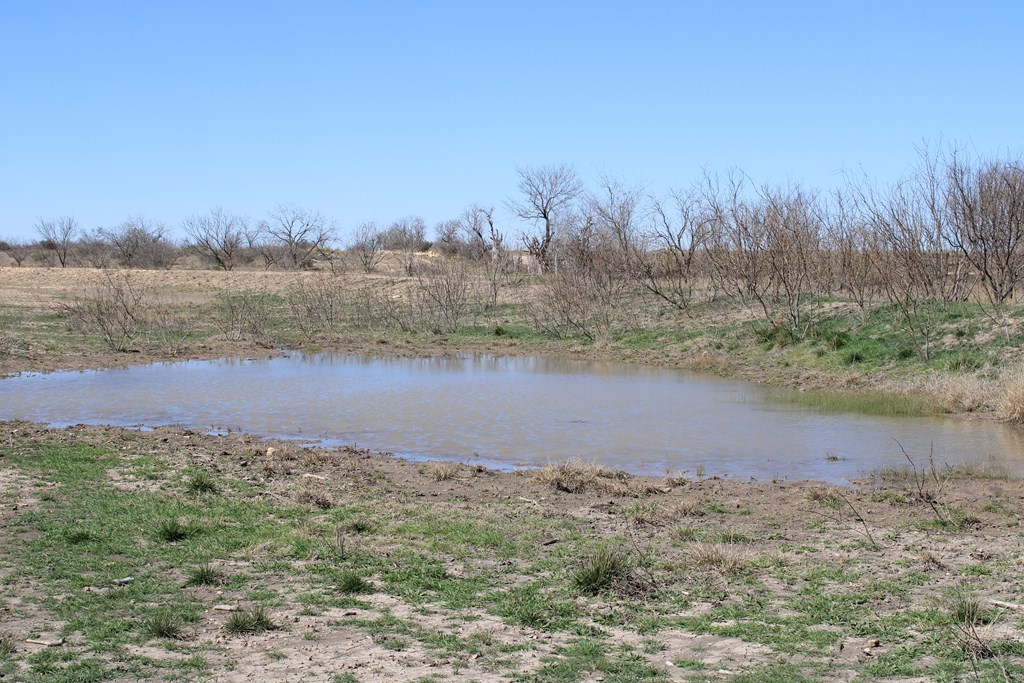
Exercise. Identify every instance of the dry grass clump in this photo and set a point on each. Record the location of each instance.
(1011, 397)
(576, 476)
(648, 514)
(689, 508)
(723, 558)
(828, 496)
(441, 471)
(315, 498)
(963, 393)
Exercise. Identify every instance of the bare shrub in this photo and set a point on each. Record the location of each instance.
(244, 315)
(386, 305)
(317, 305)
(665, 260)
(445, 290)
(94, 250)
(141, 243)
(407, 236)
(368, 246)
(585, 295)
(171, 326)
(115, 308)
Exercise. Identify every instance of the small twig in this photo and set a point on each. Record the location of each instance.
(530, 500)
(860, 518)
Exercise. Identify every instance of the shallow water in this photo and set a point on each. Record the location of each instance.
(509, 412)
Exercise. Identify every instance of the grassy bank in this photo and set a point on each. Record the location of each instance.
(178, 556)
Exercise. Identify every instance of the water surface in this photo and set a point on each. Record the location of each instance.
(509, 412)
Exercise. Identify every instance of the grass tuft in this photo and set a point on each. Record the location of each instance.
(350, 582)
(77, 535)
(601, 571)
(441, 471)
(163, 625)
(256, 620)
(172, 530)
(204, 575)
(722, 558)
(576, 476)
(202, 482)
(316, 499)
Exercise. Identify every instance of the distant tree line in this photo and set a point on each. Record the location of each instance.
(952, 231)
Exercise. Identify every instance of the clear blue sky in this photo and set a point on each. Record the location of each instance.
(379, 110)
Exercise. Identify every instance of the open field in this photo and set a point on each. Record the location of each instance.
(172, 555)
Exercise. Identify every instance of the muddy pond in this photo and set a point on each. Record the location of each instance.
(510, 412)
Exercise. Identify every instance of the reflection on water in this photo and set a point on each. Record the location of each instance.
(508, 412)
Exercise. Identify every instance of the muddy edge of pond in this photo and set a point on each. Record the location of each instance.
(256, 454)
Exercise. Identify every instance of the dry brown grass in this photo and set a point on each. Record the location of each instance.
(442, 471)
(689, 508)
(956, 393)
(722, 558)
(576, 476)
(1011, 397)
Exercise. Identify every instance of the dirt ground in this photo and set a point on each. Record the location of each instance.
(713, 548)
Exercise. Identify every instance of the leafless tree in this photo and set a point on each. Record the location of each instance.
(299, 232)
(141, 243)
(851, 244)
(485, 244)
(57, 235)
(448, 238)
(912, 265)
(406, 235)
(19, 250)
(586, 293)
(793, 232)
(666, 262)
(545, 193)
(984, 206)
(94, 250)
(217, 236)
(368, 245)
(737, 241)
(478, 232)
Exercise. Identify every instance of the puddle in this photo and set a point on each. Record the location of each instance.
(509, 412)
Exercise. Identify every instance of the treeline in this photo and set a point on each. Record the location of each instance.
(951, 232)
(289, 237)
